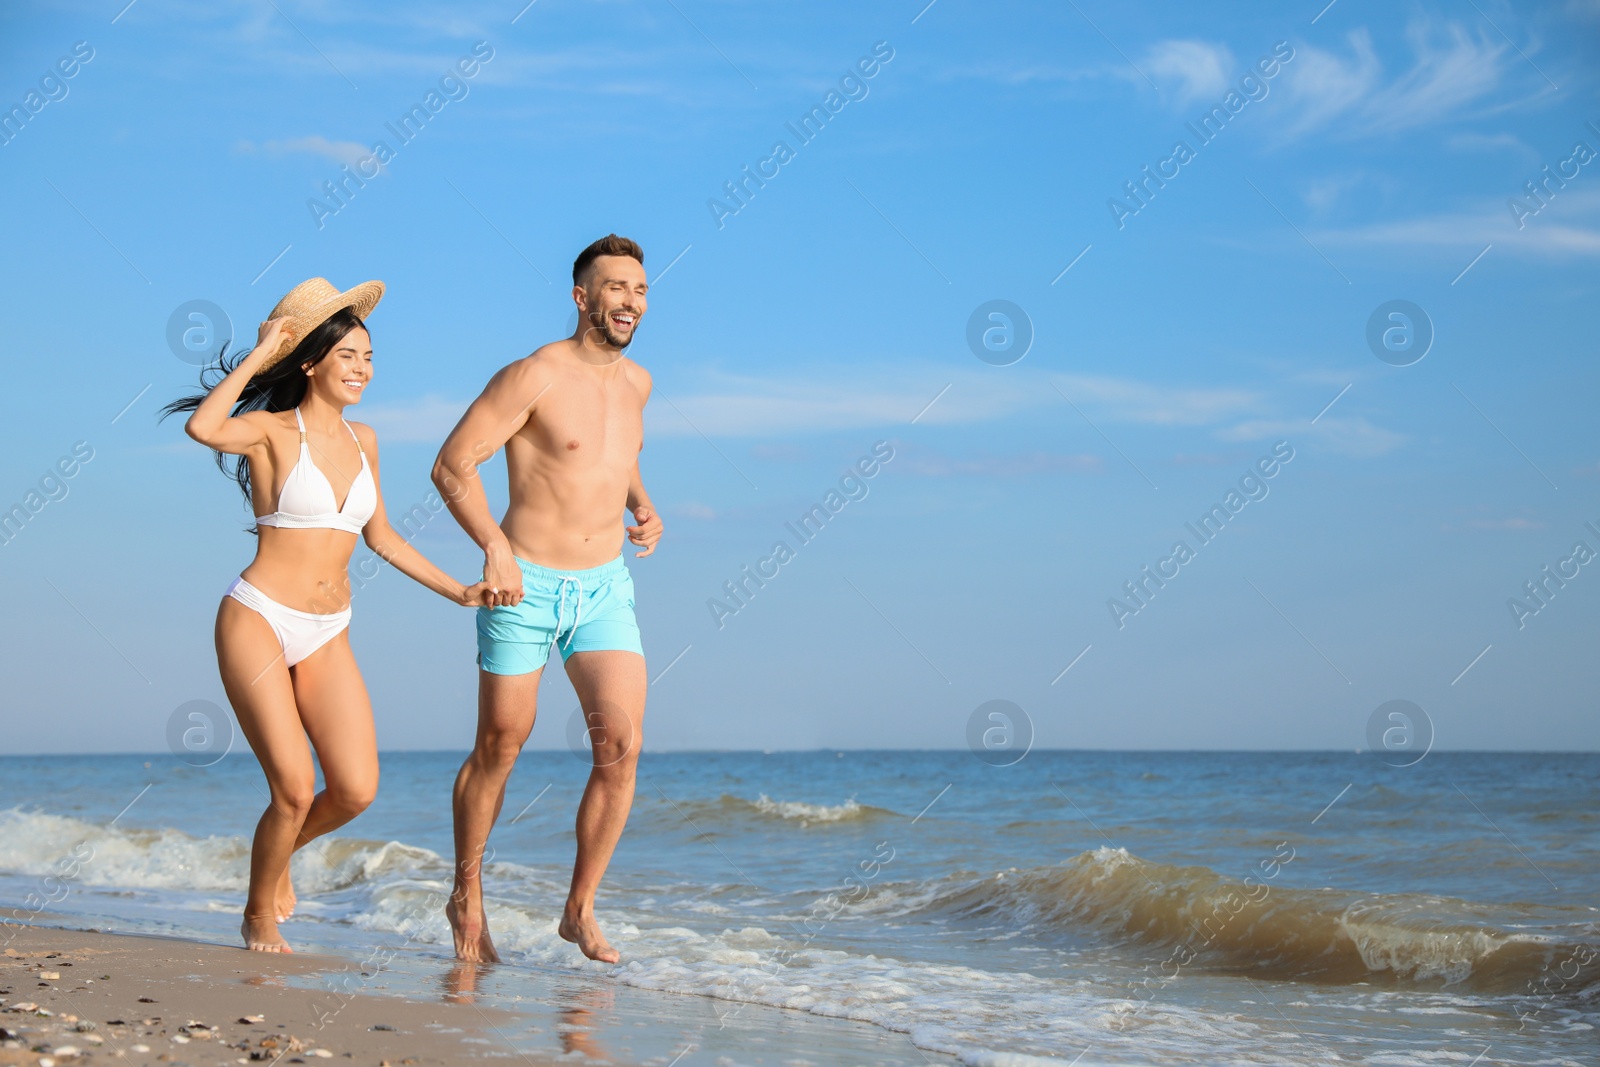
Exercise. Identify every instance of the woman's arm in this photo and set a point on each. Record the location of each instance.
(392, 548)
(211, 424)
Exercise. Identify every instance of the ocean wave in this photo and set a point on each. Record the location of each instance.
(732, 809)
(966, 1012)
(43, 845)
(805, 814)
(971, 1012)
(1225, 925)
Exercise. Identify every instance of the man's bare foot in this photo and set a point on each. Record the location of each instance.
(286, 900)
(261, 935)
(470, 928)
(583, 931)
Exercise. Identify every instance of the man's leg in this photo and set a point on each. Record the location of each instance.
(507, 704)
(611, 687)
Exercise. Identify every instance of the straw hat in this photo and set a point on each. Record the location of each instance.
(311, 303)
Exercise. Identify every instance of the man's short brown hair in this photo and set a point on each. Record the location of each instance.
(609, 245)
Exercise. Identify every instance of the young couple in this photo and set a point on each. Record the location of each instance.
(570, 418)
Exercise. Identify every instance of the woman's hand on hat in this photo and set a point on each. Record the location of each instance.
(272, 334)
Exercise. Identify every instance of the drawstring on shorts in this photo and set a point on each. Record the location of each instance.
(561, 609)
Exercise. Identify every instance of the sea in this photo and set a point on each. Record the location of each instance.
(1072, 907)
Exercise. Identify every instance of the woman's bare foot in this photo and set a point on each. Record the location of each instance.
(261, 935)
(470, 928)
(286, 900)
(582, 930)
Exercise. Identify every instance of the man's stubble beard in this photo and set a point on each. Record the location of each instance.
(600, 320)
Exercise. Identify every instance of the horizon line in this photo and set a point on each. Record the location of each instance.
(841, 751)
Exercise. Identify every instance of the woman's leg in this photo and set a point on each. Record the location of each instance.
(337, 715)
(259, 688)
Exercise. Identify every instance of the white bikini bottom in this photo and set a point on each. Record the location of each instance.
(299, 632)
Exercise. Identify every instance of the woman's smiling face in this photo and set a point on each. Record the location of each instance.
(342, 375)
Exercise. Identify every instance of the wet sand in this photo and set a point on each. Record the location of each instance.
(74, 997)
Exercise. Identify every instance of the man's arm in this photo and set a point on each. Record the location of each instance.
(648, 532)
(501, 410)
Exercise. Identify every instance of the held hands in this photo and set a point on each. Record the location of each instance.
(476, 595)
(504, 579)
(648, 532)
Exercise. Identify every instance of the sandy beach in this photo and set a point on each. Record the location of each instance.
(70, 998)
(74, 997)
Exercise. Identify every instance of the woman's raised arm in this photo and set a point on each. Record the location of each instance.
(211, 424)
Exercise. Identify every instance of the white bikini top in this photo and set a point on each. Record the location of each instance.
(307, 501)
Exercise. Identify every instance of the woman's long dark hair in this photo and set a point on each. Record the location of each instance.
(279, 388)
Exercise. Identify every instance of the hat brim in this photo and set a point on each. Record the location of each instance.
(359, 298)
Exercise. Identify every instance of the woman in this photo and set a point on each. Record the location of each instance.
(282, 641)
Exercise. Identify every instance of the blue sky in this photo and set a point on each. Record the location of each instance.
(1370, 153)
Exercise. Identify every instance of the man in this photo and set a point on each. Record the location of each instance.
(570, 418)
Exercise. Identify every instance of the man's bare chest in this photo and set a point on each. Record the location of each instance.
(588, 426)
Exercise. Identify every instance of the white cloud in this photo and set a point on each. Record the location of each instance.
(1444, 79)
(1318, 376)
(1201, 70)
(1350, 436)
(1127, 400)
(1206, 459)
(1451, 71)
(746, 406)
(742, 406)
(1322, 85)
(428, 419)
(739, 406)
(316, 145)
(1568, 225)
(1488, 142)
(1325, 193)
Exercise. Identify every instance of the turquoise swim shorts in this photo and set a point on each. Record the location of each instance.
(578, 611)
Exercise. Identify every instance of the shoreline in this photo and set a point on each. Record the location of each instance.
(73, 997)
(81, 996)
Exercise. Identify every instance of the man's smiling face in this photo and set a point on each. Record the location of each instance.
(613, 299)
